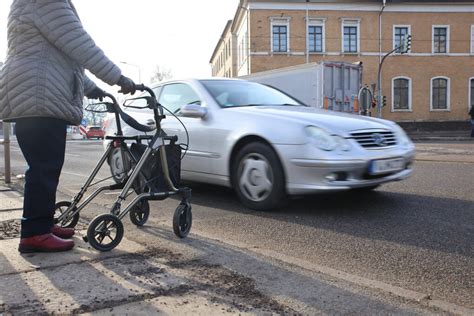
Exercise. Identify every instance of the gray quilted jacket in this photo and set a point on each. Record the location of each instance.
(48, 49)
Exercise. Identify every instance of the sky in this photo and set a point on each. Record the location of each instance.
(175, 35)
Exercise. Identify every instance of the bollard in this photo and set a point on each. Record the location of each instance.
(6, 150)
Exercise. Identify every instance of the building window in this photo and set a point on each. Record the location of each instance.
(472, 39)
(350, 39)
(350, 35)
(471, 93)
(315, 33)
(399, 34)
(440, 93)
(440, 39)
(280, 37)
(401, 94)
(280, 30)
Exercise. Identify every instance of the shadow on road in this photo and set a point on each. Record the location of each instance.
(313, 294)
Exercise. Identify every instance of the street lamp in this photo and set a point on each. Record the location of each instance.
(138, 67)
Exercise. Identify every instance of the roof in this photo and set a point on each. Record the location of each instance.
(226, 28)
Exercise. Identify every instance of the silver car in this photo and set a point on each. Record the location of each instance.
(268, 146)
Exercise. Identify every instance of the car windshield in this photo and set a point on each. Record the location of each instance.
(235, 93)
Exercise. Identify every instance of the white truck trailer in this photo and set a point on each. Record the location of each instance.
(329, 85)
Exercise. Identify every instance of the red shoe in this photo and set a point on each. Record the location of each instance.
(44, 243)
(62, 232)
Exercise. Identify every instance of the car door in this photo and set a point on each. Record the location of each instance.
(173, 96)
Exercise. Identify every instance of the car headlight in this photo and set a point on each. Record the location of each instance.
(342, 143)
(322, 139)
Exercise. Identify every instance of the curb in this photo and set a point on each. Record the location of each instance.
(439, 138)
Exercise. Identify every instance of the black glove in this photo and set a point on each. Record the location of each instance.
(97, 93)
(126, 85)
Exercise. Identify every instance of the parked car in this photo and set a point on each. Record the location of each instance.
(74, 133)
(267, 145)
(95, 132)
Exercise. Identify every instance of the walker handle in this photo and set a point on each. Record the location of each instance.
(127, 118)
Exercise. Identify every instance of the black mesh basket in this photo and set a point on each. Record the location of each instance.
(151, 177)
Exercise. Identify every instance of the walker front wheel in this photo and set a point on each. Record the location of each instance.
(182, 220)
(105, 232)
(140, 212)
(62, 207)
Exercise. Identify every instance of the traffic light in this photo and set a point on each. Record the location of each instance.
(384, 100)
(406, 46)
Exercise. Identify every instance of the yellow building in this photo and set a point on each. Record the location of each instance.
(434, 81)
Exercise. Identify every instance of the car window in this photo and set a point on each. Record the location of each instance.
(176, 95)
(231, 93)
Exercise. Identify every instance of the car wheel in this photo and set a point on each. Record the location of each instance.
(257, 177)
(118, 167)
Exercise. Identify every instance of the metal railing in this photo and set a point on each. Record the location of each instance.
(6, 145)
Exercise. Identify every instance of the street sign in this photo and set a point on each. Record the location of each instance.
(84, 122)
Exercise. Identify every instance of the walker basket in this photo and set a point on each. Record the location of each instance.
(151, 177)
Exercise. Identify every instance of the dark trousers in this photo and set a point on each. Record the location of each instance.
(43, 143)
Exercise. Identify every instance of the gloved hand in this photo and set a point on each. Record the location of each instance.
(126, 85)
(97, 93)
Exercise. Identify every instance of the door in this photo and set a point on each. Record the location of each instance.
(198, 156)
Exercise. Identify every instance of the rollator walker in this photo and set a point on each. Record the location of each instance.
(152, 172)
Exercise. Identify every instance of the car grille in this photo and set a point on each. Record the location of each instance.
(374, 139)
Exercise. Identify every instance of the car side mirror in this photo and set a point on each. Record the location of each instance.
(193, 110)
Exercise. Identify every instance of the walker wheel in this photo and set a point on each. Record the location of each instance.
(62, 207)
(105, 232)
(140, 212)
(182, 220)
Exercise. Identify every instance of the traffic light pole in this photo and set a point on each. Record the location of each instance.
(379, 82)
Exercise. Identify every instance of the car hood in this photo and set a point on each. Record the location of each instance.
(335, 122)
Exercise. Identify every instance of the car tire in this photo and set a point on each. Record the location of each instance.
(118, 168)
(258, 178)
(366, 189)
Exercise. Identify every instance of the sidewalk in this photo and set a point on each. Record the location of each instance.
(131, 279)
(448, 136)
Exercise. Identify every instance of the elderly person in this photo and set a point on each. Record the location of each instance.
(42, 86)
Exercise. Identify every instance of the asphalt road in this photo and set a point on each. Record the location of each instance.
(405, 238)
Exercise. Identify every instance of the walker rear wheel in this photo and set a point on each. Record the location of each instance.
(105, 232)
(140, 212)
(182, 220)
(62, 207)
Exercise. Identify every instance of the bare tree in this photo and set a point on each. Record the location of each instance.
(160, 74)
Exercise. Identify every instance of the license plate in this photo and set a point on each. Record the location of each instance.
(386, 165)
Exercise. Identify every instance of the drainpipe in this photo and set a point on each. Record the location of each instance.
(306, 33)
(379, 79)
(249, 44)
